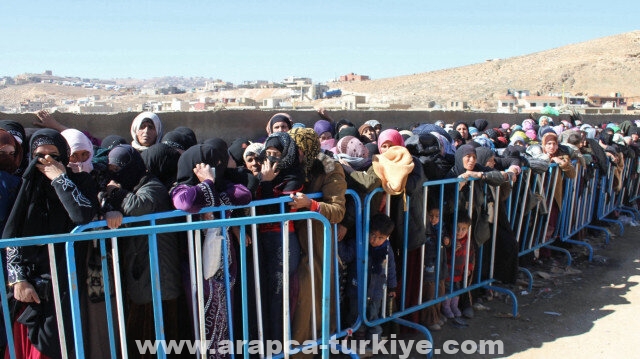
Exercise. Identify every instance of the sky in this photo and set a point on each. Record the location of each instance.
(270, 40)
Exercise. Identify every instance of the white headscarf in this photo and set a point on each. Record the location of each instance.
(135, 126)
(78, 141)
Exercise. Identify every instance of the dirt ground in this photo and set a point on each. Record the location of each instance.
(588, 311)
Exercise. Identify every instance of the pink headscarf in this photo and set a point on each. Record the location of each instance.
(390, 135)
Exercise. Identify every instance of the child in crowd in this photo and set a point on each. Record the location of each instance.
(435, 231)
(382, 268)
(458, 259)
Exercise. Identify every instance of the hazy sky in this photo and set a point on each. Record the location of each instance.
(270, 40)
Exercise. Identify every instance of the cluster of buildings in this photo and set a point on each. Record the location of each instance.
(522, 101)
(291, 93)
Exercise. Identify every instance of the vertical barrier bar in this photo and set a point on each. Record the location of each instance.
(117, 281)
(56, 298)
(73, 297)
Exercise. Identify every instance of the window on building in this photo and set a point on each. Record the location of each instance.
(533, 104)
(552, 104)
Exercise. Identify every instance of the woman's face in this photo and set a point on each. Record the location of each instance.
(469, 161)
(273, 152)
(463, 131)
(491, 162)
(253, 164)
(543, 122)
(550, 147)
(369, 133)
(147, 133)
(280, 127)
(44, 150)
(385, 146)
(326, 136)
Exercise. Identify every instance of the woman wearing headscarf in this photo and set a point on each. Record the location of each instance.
(253, 157)
(17, 131)
(367, 133)
(178, 140)
(52, 200)
(466, 166)
(426, 147)
(199, 186)
(81, 150)
(280, 122)
(161, 160)
(463, 130)
(323, 175)
(10, 159)
(394, 157)
(146, 130)
(561, 157)
(281, 175)
(134, 192)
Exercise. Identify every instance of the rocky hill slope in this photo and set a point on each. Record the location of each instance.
(601, 66)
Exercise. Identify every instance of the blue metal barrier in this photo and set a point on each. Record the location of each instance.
(98, 233)
(576, 213)
(439, 187)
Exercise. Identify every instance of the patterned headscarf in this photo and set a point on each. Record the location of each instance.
(283, 142)
(308, 142)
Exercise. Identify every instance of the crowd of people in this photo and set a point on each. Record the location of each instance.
(59, 177)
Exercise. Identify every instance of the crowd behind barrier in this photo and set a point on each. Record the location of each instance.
(575, 216)
(465, 232)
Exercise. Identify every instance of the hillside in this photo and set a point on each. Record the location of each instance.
(600, 66)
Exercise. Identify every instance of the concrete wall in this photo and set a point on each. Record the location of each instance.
(251, 124)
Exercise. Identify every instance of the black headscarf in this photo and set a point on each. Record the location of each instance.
(112, 141)
(161, 161)
(215, 156)
(347, 131)
(38, 209)
(483, 154)
(17, 130)
(132, 168)
(177, 140)
(236, 150)
(462, 151)
(189, 133)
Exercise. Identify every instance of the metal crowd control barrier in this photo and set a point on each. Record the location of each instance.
(532, 225)
(95, 231)
(404, 310)
(627, 191)
(577, 207)
(634, 183)
(607, 202)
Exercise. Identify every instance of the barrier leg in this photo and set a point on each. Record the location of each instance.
(581, 243)
(554, 248)
(606, 232)
(419, 328)
(529, 276)
(614, 221)
(514, 303)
